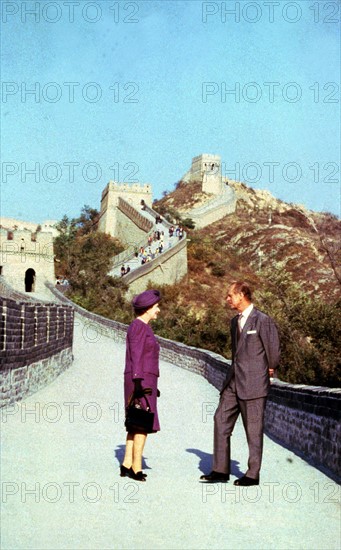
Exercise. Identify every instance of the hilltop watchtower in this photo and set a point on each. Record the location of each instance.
(120, 206)
(207, 169)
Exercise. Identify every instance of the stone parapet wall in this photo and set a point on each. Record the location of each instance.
(16, 384)
(213, 215)
(211, 366)
(33, 336)
(307, 419)
(168, 268)
(214, 209)
(127, 231)
(101, 325)
(6, 291)
(135, 216)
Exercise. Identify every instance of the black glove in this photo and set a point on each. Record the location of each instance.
(138, 390)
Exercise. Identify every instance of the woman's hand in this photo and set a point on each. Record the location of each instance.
(138, 390)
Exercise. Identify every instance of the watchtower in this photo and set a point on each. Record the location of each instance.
(111, 220)
(207, 169)
(26, 259)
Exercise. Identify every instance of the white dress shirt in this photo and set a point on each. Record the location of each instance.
(244, 315)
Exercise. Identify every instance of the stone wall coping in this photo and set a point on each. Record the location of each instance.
(21, 299)
(82, 311)
(9, 293)
(226, 198)
(303, 388)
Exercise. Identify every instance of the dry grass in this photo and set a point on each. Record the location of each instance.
(301, 241)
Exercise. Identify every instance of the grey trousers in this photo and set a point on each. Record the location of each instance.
(225, 417)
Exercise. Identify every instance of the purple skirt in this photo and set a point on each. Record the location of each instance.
(149, 381)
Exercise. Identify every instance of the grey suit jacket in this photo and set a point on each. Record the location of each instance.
(257, 351)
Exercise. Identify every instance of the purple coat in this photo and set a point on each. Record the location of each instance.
(142, 361)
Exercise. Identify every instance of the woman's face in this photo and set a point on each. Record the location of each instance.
(152, 313)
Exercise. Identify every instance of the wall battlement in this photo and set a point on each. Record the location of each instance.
(35, 346)
(127, 188)
(130, 187)
(25, 237)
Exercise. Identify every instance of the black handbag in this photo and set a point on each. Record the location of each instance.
(138, 419)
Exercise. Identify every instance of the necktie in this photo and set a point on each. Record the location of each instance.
(239, 326)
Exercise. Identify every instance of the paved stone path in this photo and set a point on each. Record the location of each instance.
(61, 489)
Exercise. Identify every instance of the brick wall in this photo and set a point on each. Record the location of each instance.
(35, 346)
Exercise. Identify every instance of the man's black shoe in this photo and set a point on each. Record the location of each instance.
(215, 477)
(246, 481)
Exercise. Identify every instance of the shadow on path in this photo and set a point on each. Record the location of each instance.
(205, 463)
(119, 455)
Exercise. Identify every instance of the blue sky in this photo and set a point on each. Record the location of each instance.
(133, 90)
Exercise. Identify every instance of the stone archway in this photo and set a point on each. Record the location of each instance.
(30, 277)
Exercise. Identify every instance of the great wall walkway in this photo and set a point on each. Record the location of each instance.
(129, 259)
(61, 450)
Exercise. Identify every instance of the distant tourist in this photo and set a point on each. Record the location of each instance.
(255, 355)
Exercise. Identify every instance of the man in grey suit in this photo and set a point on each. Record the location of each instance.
(255, 356)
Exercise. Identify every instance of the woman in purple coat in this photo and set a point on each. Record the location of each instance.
(141, 372)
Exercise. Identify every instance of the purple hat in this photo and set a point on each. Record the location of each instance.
(146, 299)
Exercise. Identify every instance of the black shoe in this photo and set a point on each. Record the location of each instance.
(246, 481)
(215, 477)
(138, 476)
(124, 471)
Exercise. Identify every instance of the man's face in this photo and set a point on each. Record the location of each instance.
(234, 299)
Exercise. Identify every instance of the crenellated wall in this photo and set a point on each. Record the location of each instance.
(305, 418)
(35, 345)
